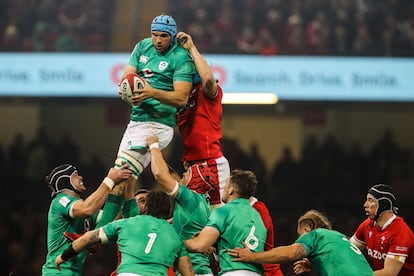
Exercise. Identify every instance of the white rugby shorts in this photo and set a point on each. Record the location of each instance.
(136, 134)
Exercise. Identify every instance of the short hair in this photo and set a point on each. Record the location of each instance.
(314, 219)
(141, 191)
(158, 204)
(244, 181)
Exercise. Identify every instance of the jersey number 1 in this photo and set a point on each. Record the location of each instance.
(152, 237)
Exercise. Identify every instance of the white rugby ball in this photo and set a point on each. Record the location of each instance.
(129, 83)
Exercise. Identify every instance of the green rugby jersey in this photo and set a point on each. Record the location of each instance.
(191, 214)
(148, 245)
(59, 221)
(238, 222)
(331, 253)
(160, 70)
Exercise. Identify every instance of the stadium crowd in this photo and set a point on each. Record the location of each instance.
(273, 27)
(285, 27)
(324, 168)
(49, 25)
(276, 27)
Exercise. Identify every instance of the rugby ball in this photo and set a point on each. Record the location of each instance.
(129, 83)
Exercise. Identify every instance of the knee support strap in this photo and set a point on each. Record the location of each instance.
(132, 158)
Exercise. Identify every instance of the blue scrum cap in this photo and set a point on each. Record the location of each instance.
(165, 23)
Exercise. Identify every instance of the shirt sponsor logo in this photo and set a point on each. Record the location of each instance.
(401, 248)
(143, 59)
(376, 254)
(64, 201)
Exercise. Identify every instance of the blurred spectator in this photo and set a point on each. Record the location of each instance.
(256, 164)
(385, 155)
(68, 41)
(16, 163)
(72, 15)
(314, 27)
(321, 27)
(294, 36)
(247, 43)
(362, 44)
(286, 175)
(67, 151)
(22, 228)
(39, 159)
(44, 37)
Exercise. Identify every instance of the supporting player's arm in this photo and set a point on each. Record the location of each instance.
(185, 266)
(87, 207)
(204, 241)
(392, 267)
(88, 239)
(278, 254)
(160, 168)
(206, 73)
(178, 97)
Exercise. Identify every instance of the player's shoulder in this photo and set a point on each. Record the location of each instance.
(180, 52)
(64, 199)
(367, 222)
(400, 223)
(144, 44)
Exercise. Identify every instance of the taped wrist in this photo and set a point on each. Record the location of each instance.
(176, 187)
(155, 145)
(109, 182)
(68, 253)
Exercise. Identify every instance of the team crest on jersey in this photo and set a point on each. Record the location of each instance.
(143, 59)
(163, 65)
(64, 201)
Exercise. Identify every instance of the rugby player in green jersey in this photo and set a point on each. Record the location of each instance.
(234, 224)
(191, 210)
(148, 243)
(69, 213)
(319, 248)
(168, 71)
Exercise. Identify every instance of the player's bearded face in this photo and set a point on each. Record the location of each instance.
(161, 41)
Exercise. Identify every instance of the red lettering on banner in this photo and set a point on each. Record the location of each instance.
(221, 73)
(117, 72)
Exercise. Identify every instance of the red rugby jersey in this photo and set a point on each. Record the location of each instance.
(395, 238)
(200, 125)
